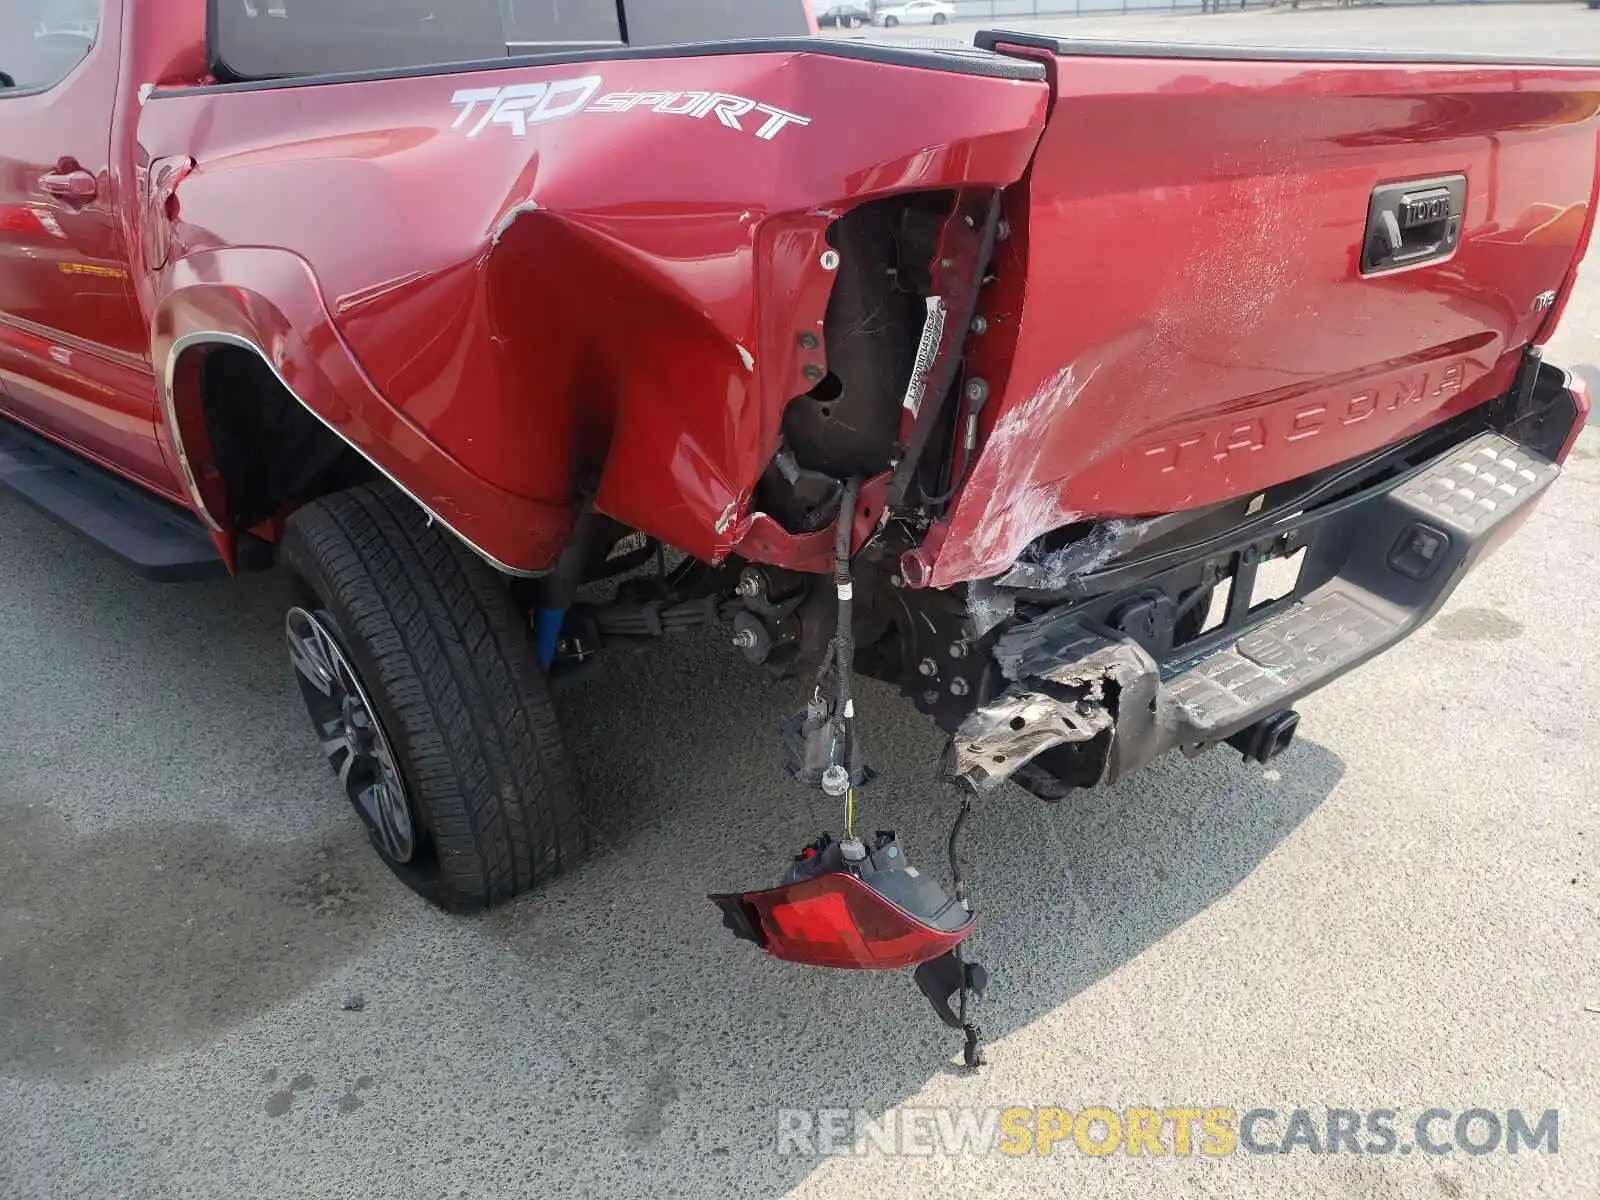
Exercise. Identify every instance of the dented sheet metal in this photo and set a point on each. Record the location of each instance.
(1069, 687)
(548, 280)
(1189, 323)
(1058, 568)
(1001, 736)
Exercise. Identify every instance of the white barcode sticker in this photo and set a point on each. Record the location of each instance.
(927, 347)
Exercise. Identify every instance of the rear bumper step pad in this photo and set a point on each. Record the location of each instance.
(1377, 570)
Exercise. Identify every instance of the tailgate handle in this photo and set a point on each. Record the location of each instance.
(1412, 223)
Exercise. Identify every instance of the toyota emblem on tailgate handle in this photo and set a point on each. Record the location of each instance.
(1413, 223)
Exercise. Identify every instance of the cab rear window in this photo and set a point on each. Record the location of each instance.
(42, 40)
(275, 39)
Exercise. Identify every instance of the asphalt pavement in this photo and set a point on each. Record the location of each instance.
(210, 987)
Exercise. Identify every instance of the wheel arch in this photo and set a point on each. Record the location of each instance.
(263, 307)
(222, 401)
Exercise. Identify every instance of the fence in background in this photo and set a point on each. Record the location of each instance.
(987, 10)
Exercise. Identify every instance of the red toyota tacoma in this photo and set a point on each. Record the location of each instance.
(1105, 398)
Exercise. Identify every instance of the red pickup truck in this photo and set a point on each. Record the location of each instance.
(1104, 398)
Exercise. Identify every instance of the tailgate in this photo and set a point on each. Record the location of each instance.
(1198, 307)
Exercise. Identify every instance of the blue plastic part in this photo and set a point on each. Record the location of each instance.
(547, 632)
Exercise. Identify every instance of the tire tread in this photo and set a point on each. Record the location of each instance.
(453, 671)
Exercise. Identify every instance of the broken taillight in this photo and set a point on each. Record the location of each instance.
(850, 904)
(836, 920)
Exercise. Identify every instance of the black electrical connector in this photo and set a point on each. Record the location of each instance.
(951, 974)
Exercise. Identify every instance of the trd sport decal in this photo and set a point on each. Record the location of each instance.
(727, 108)
(522, 104)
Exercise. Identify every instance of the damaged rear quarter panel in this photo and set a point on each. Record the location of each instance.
(607, 299)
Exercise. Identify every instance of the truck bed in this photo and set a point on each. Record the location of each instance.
(597, 272)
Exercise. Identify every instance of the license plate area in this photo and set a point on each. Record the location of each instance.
(1274, 578)
(1187, 611)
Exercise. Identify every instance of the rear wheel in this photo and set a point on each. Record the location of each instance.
(427, 697)
(939, 18)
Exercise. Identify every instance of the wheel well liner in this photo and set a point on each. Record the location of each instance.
(273, 454)
(198, 411)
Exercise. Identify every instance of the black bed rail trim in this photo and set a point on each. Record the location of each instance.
(994, 39)
(960, 60)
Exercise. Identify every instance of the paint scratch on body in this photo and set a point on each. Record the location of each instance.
(1012, 519)
(510, 219)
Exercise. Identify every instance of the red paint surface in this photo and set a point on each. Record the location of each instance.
(74, 348)
(611, 302)
(768, 542)
(1184, 292)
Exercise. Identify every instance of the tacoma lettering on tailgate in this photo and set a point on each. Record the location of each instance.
(1240, 435)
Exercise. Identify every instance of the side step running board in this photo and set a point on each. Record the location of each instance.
(154, 538)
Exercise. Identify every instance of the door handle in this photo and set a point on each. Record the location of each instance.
(76, 186)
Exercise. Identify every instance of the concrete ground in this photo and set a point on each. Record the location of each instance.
(1402, 913)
